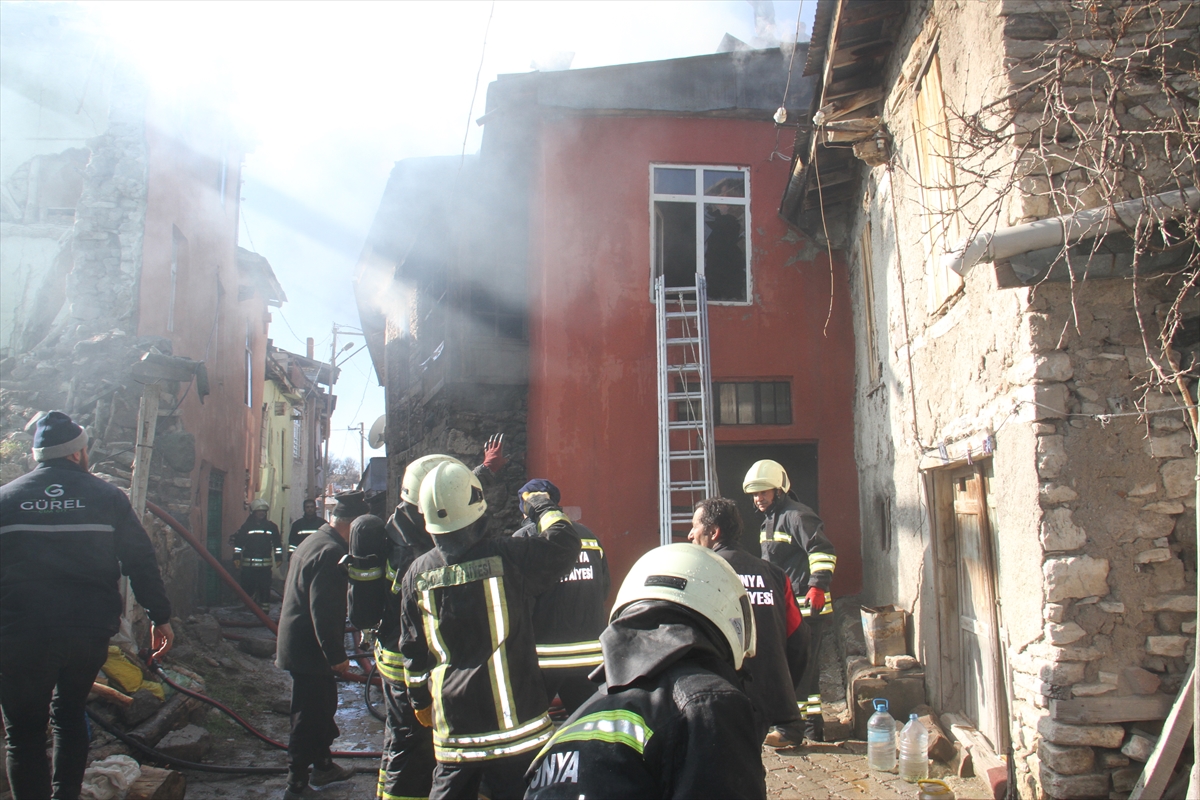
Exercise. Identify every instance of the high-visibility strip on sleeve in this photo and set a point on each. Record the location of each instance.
(551, 518)
(618, 726)
(573, 654)
(364, 575)
(415, 680)
(821, 561)
(591, 544)
(390, 664)
(777, 536)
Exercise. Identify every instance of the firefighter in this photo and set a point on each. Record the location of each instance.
(379, 559)
(793, 539)
(312, 645)
(670, 718)
(304, 527)
(467, 636)
(257, 548)
(717, 525)
(568, 617)
(67, 537)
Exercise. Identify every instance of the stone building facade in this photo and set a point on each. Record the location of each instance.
(1027, 476)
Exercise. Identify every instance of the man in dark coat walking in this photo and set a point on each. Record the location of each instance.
(65, 538)
(312, 646)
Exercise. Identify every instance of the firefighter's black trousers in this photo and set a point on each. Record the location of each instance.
(47, 679)
(256, 582)
(406, 769)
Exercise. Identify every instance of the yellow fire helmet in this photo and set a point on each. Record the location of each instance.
(765, 475)
(451, 498)
(410, 486)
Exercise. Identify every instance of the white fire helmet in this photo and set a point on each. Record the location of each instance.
(410, 486)
(451, 498)
(695, 578)
(260, 505)
(765, 475)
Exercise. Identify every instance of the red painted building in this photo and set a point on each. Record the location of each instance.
(611, 175)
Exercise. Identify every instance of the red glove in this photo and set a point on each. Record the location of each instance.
(816, 599)
(493, 453)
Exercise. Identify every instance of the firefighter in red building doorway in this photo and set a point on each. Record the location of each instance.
(717, 526)
(569, 616)
(379, 558)
(467, 637)
(793, 539)
(670, 718)
(257, 548)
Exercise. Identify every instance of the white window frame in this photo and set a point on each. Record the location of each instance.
(699, 199)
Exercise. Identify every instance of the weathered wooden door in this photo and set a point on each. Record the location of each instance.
(978, 639)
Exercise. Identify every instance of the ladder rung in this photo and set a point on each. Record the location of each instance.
(688, 340)
(684, 396)
(681, 315)
(688, 486)
(684, 367)
(685, 425)
(688, 455)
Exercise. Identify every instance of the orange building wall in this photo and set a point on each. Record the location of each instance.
(593, 389)
(210, 323)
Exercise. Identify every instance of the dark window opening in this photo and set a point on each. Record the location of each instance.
(493, 316)
(753, 403)
(725, 251)
(675, 244)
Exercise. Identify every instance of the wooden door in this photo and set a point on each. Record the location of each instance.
(978, 639)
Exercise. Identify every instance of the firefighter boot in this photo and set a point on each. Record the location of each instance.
(325, 774)
(783, 736)
(814, 728)
(297, 786)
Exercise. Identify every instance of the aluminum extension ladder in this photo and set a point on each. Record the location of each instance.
(687, 462)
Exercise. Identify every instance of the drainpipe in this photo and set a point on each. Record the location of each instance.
(1066, 230)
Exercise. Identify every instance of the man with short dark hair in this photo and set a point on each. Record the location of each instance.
(312, 646)
(65, 538)
(717, 525)
(305, 526)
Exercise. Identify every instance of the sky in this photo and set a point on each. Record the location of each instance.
(331, 95)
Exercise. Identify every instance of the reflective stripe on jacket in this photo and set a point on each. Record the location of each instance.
(468, 641)
(793, 538)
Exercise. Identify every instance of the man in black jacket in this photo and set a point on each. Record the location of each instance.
(717, 526)
(467, 637)
(65, 538)
(312, 646)
(568, 617)
(304, 527)
(257, 548)
(670, 719)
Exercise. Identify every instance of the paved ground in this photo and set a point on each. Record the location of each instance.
(839, 772)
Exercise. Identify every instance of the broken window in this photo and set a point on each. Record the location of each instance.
(753, 403)
(700, 216)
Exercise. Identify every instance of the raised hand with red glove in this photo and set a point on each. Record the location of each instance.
(493, 453)
(816, 599)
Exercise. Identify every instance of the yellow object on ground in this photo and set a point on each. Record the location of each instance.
(127, 675)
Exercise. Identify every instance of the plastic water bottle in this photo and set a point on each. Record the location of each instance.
(881, 738)
(914, 751)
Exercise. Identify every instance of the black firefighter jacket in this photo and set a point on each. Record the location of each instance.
(468, 640)
(302, 529)
(569, 616)
(257, 543)
(312, 619)
(793, 539)
(66, 537)
(669, 721)
(770, 685)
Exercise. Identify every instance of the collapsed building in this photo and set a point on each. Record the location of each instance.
(1014, 186)
(118, 238)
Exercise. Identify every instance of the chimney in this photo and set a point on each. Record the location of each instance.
(310, 347)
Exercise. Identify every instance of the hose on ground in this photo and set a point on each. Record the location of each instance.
(179, 763)
(379, 715)
(157, 668)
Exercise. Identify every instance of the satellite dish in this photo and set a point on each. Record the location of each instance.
(375, 436)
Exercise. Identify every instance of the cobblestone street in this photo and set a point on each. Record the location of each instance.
(838, 771)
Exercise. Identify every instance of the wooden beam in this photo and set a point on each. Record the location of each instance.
(872, 11)
(1104, 710)
(854, 102)
(835, 178)
(1176, 731)
(863, 52)
(848, 86)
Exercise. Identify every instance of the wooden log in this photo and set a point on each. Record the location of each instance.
(174, 714)
(1102, 710)
(985, 762)
(111, 695)
(940, 746)
(158, 784)
(961, 762)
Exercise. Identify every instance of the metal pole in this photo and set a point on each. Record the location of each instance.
(362, 451)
